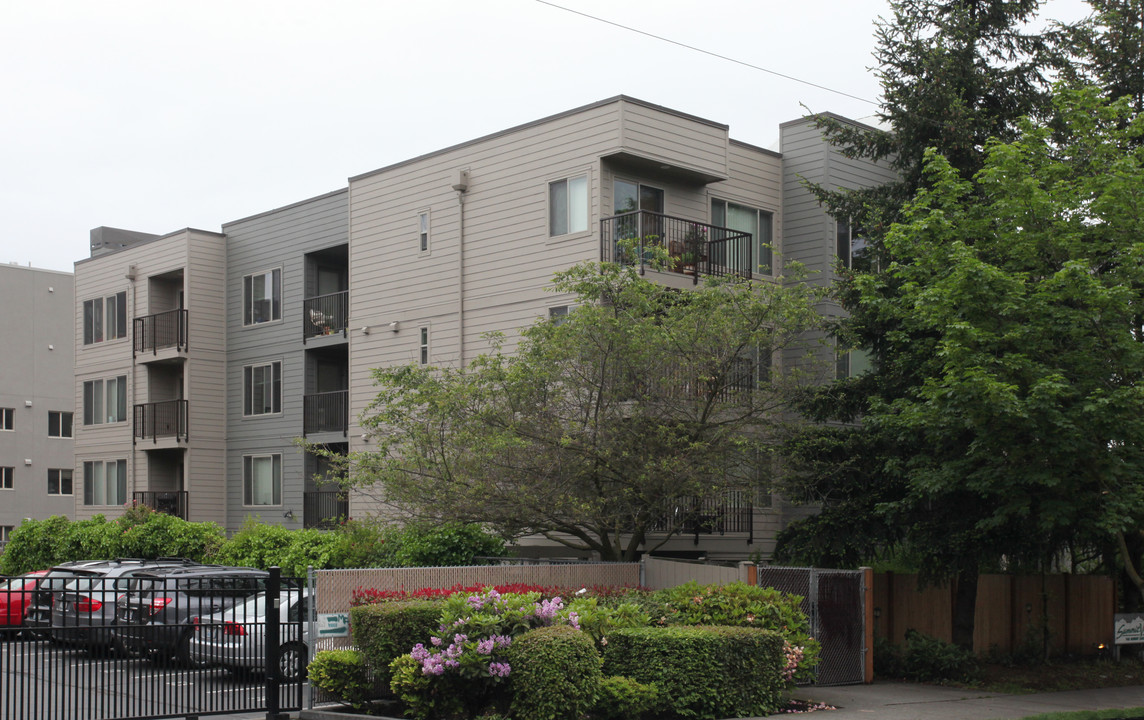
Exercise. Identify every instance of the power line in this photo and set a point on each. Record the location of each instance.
(707, 52)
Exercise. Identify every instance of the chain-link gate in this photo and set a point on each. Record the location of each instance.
(834, 601)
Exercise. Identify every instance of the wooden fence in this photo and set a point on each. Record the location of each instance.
(1013, 611)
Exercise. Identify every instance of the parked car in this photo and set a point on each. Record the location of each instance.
(16, 597)
(153, 616)
(38, 614)
(236, 639)
(83, 612)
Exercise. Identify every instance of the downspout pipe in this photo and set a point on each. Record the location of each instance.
(462, 187)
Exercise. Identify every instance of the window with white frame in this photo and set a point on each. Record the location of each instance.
(60, 423)
(7, 475)
(423, 231)
(423, 346)
(749, 220)
(262, 480)
(7, 419)
(558, 314)
(568, 206)
(850, 243)
(105, 482)
(262, 297)
(105, 318)
(60, 481)
(5, 533)
(262, 389)
(105, 401)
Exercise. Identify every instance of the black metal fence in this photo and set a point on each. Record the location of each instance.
(325, 314)
(325, 412)
(171, 502)
(161, 330)
(136, 647)
(694, 248)
(324, 508)
(161, 419)
(731, 512)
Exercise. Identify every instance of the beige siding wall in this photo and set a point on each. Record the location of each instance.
(674, 139)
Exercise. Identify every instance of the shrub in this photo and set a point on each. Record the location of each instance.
(444, 545)
(622, 698)
(600, 620)
(255, 545)
(311, 548)
(365, 545)
(704, 671)
(386, 631)
(925, 659)
(343, 674)
(162, 535)
(424, 697)
(34, 545)
(740, 605)
(555, 674)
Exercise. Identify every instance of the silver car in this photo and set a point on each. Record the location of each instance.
(236, 639)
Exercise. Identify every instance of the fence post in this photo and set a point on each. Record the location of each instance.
(868, 624)
(748, 572)
(312, 622)
(273, 627)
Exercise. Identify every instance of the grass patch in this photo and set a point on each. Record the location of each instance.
(1113, 714)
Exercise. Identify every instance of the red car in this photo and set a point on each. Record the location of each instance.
(16, 596)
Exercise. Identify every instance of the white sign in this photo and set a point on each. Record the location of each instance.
(1129, 629)
(333, 625)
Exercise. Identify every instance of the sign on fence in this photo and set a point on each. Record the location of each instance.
(1129, 629)
(333, 625)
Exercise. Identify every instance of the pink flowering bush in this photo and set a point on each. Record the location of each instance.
(462, 669)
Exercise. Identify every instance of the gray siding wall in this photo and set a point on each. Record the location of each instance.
(276, 239)
(36, 369)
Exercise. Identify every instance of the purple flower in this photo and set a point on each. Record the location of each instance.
(419, 652)
(432, 665)
(499, 669)
(436, 641)
(574, 620)
(459, 638)
(485, 647)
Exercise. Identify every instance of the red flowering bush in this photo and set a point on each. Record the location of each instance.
(370, 596)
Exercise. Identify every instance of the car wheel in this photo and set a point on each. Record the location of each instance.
(292, 661)
(184, 658)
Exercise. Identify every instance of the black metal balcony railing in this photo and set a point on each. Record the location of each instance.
(325, 412)
(730, 513)
(325, 314)
(161, 420)
(694, 248)
(324, 508)
(161, 330)
(172, 502)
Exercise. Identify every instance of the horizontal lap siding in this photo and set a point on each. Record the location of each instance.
(276, 239)
(675, 139)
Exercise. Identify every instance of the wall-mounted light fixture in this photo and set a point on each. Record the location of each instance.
(289, 514)
(395, 326)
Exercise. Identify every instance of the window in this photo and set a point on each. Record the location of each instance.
(105, 483)
(558, 315)
(262, 297)
(6, 476)
(568, 206)
(7, 419)
(262, 480)
(852, 364)
(423, 351)
(423, 232)
(105, 318)
(262, 389)
(60, 482)
(95, 411)
(850, 243)
(60, 423)
(5, 533)
(744, 219)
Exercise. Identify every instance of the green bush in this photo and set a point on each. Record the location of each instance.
(319, 549)
(255, 545)
(425, 697)
(600, 619)
(387, 630)
(443, 545)
(703, 671)
(343, 674)
(740, 605)
(166, 535)
(555, 674)
(622, 698)
(34, 545)
(365, 545)
(925, 659)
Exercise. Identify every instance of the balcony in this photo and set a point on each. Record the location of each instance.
(169, 503)
(325, 412)
(730, 513)
(167, 419)
(325, 315)
(324, 508)
(161, 331)
(695, 249)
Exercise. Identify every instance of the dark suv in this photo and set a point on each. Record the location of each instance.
(83, 611)
(153, 615)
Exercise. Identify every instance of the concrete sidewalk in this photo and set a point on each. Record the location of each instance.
(906, 701)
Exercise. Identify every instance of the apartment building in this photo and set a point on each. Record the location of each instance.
(36, 403)
(285, 313)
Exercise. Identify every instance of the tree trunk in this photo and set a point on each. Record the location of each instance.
(1128, 565)
(965, 608)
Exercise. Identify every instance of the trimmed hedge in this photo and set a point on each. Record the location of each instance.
(388, 630)
(622, 698)
(343, 674)
(555, 674)
(704, 672)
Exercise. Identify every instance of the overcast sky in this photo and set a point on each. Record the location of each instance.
(154, 116)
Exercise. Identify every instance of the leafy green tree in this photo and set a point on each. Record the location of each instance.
(597, 428)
